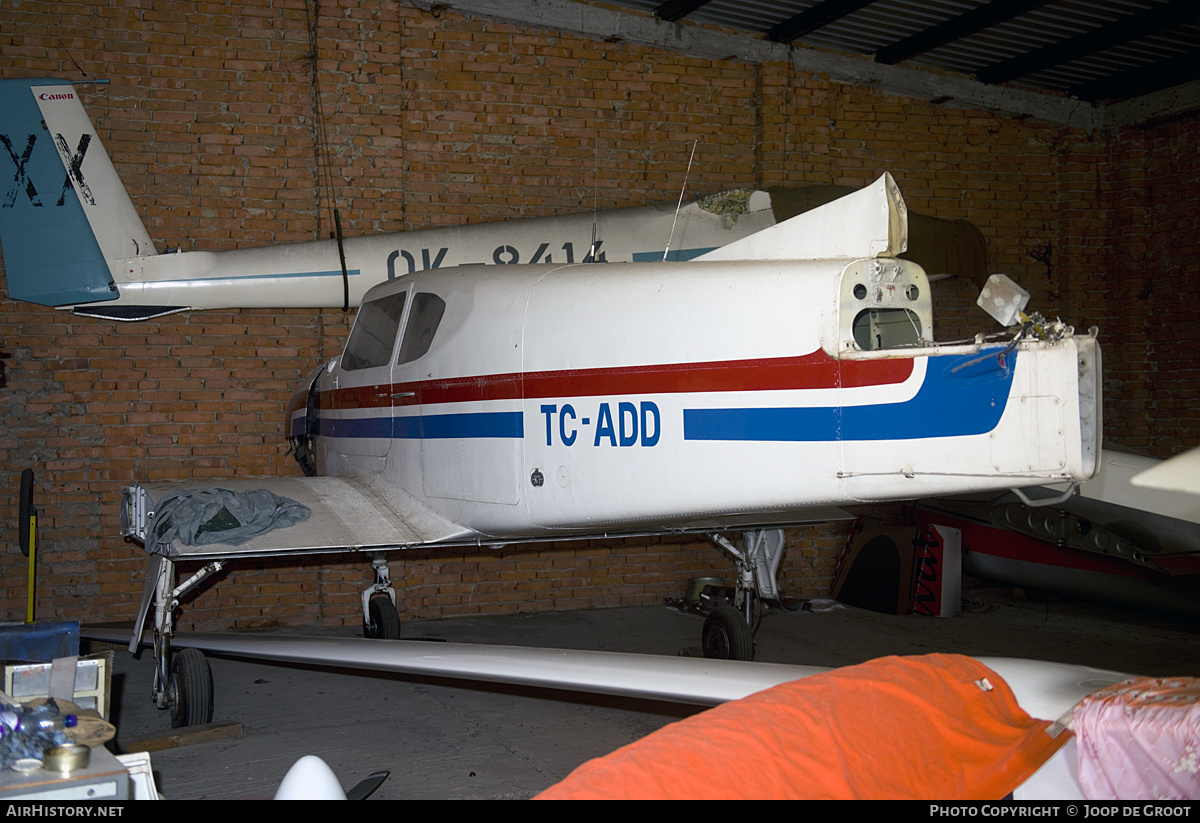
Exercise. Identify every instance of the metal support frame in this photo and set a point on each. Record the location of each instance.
(757, 565)
(160, 578)
(160, 592)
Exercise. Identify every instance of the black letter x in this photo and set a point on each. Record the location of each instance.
(75, 168)
(10, 197)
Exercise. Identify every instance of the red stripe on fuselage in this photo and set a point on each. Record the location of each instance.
(811, 371)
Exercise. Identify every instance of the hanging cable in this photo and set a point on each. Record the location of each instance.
(312, 15)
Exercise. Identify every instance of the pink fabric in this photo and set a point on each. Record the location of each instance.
(1140, 740)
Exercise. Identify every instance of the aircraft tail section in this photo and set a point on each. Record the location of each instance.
(64, 214)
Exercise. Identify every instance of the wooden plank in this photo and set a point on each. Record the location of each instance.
(177, 738)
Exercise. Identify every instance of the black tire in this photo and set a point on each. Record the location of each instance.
(191, 686)
(383, 622)
(727, 636)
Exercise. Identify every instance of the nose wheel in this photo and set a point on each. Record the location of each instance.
(727, 635)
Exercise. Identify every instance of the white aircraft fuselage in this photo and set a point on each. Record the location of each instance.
(606, 396)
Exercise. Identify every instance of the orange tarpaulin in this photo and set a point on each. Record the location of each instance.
(897, 727)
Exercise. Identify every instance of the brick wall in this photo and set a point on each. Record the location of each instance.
(1155, 279)
(213, 116)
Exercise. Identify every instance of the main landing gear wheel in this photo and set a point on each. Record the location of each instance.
(190, 689)
(727, 635)
(383, 621)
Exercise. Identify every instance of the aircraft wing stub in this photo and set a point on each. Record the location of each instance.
(347, 513)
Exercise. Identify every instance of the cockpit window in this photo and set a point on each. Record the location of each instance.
(374, 333)
(423, 320)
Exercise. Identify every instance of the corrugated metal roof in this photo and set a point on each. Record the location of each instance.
(1092, 49)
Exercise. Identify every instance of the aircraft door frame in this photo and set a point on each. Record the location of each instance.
(467, 426)
(364, 395)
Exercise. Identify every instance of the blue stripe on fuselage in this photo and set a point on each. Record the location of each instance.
(961, 395)
(427, 427)
(677, 256)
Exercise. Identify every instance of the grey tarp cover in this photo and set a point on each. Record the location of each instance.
(205, 516)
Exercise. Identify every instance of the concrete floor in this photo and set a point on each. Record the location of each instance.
(446, 740)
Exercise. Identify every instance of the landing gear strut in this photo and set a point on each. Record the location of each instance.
(380, 617)
(729, 628)
(183, 681)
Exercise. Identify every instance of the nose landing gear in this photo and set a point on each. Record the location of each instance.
(729, 628)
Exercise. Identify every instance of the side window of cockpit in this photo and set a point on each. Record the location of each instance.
(374, 333)
(423, 320)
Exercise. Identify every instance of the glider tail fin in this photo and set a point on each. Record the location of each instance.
(65, 218)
